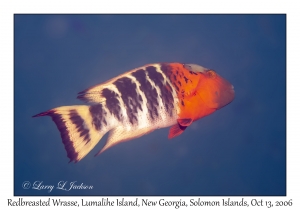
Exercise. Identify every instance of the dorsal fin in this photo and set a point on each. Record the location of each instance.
(92, 94)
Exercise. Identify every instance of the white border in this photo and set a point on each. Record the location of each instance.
(8, 8)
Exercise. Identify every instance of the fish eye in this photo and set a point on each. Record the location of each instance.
(211, 73)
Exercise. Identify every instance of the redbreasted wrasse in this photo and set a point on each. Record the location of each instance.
(138, 102)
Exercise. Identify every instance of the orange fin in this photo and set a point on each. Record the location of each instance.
(176, 130)
(185, 122)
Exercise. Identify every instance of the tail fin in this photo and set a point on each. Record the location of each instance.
(76, 129)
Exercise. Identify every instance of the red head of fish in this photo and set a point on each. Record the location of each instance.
(200, 91)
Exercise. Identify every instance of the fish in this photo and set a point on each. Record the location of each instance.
(138, 102)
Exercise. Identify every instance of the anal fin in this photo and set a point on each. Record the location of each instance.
(120, 134)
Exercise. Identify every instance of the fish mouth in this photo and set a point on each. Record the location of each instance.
(226, 97)
(221, 98)
(217, 93)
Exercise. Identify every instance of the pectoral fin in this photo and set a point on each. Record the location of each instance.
(185, 122)
(176, 130)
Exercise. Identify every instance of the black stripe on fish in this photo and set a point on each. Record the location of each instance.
(112, 102)
(149, 91)
(166, 90)
(98, 116)
(166, 69)
(132, 100)
(79, 123)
